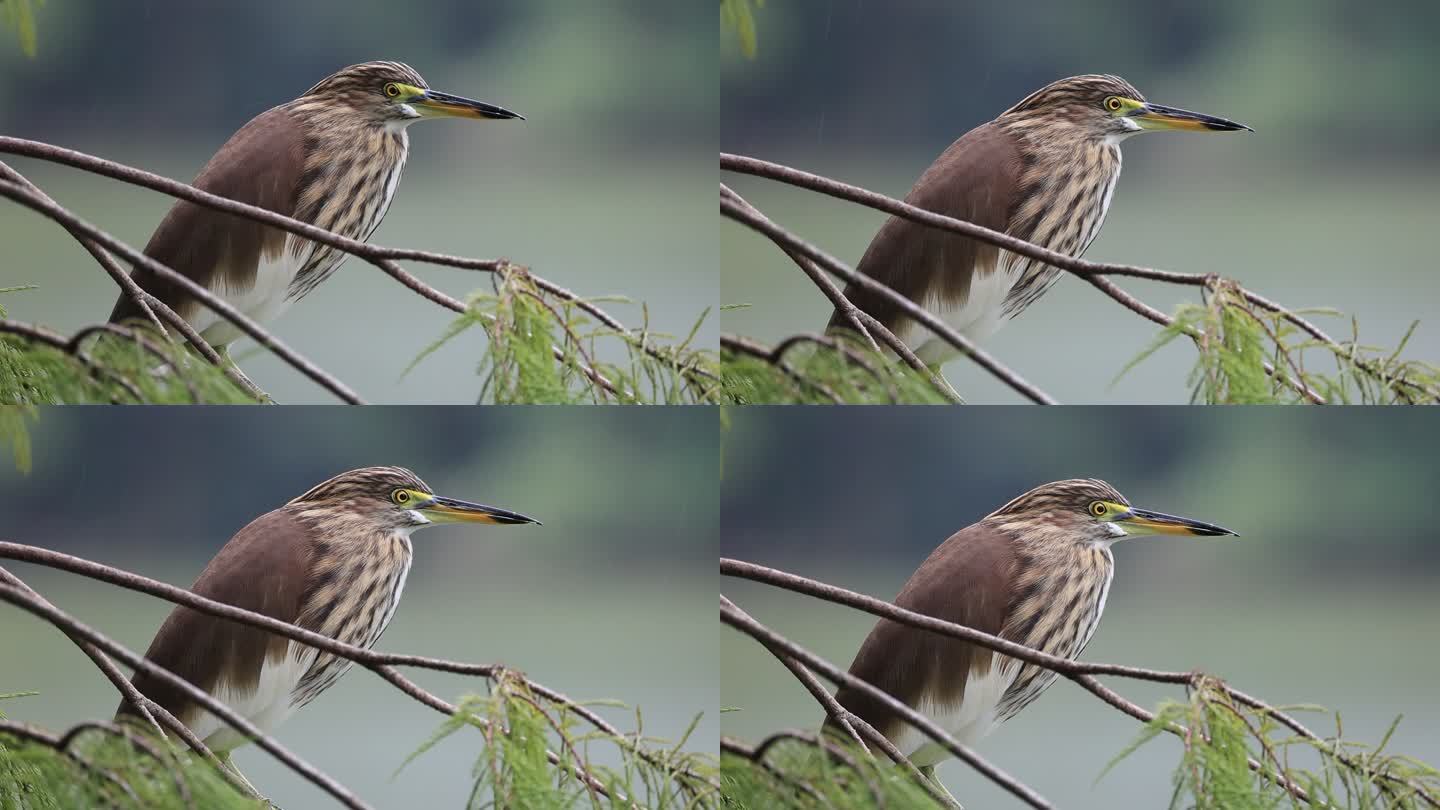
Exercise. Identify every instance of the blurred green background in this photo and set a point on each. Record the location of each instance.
(1328, 596)
(606, 189)
(612, 598)
(1329, 203)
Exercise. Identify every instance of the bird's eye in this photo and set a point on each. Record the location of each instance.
(1112, 104)
(392, 90)
(400, 497)
(1098, 509)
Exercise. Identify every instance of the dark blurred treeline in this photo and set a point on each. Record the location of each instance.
(1330, 73)
(1343, 489)
(617, 487)
(229, 60)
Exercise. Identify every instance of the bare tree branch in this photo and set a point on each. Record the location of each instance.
(916, 720)
(243, 322)
(734, 210)
(1081, 672)
(382, 257)
(1089, 270)
(381, 663)
(775, 358)
(40, 334)
(20, 598)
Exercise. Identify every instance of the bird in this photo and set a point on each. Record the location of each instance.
(1036, 571)
(333, 561)
(331, 158)
(1043, 171)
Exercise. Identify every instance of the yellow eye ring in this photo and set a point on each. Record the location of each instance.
(392, 89)
(400, 497)
(1098, 509)
(1112, 104)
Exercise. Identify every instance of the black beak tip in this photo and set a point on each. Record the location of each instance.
(516, 520)
(1227, 126)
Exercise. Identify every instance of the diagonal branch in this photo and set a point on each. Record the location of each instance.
(381, 663)
(243, 322)
(864, 324)
(734, 210)
(918, 721)
(381, 257)
(73, 628)
(1091, 271)
(1081, 672)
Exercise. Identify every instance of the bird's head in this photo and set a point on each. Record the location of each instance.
(1091, 512)
(1105, 108)
(393, 94)
(393, 499)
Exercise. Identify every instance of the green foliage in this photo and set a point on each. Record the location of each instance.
(1236, 337)
(736, 15)
(524, 323)
(816, 374)
(20, 15)
(513, 771)
(105, 765)
(97, 766)
(790, 772)
(1221, 736)
(13, 431)
(124, 372)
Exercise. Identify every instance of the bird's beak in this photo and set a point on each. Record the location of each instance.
(449, 510)
(434, 104)
(1143, 521)
(1157, 117)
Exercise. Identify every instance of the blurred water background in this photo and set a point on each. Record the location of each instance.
(1328, 596)
(1330, 202)
(612, 598)
(606, 189)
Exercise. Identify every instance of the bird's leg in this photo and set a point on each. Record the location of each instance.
(928, 771)
(230, 766)
(935, 372)
(935, 353)
(250, 386)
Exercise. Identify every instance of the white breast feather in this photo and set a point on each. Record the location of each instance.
(262, 302)
(967, 722)
(267, 705)
(980, 315)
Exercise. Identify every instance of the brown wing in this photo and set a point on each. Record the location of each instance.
(974, 180)
(260, 165)
(966, 581)
(262, 569)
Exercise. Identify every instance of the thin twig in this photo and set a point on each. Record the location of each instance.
(747, 346)
(911, 717)
(49, 613)
(1081, 672)
(1089, 270)
(914, 311)
(379, 662)
(382, 257)
(243, 322)
(837, 298)
(61, 343)
(107, 667)
(866, 326)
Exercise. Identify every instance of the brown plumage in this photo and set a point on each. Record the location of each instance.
(1043, 171)
(331, 158)
(334, 561)
(1036, 571)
